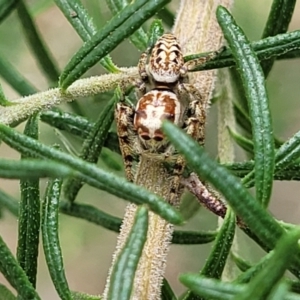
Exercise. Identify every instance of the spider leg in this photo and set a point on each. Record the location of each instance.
(124, 115)
(194, 123)
(191, 64)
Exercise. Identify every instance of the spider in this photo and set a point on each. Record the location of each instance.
(170, 97)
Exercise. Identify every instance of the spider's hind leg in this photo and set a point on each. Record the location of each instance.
(124, 115)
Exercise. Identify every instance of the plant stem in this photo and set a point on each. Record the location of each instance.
(153, 175)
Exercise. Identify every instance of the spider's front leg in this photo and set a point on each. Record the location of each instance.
(141, 83)
(124, 115)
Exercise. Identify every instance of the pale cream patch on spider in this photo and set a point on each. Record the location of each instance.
(151, 110)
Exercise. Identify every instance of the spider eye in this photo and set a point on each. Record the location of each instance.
(145, 137)
(158, 138)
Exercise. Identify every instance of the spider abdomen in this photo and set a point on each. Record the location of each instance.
(154, 107)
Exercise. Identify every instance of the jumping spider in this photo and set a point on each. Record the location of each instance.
(169, 97)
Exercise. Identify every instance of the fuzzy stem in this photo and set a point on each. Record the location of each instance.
(26, 106)
(152, 175)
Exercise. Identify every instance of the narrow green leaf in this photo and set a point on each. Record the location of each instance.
(219, 290)
(166, 291)
(6, 294)
(9, 202)
(15, 79)
(242, 119)
(278, 21)
(210, 288)
(122, 276)
(37, 46)
(215, 263)
(254, 85)
(93, 143)
(92, 175)
(109, 159)
(280, 291)
(167, 16)
(3, 100)
(241, 263)
(91, 214)
(155, 32)
(251, 212)
(29, 215)
(6, 7)
(252, 271)
(267, 48)
(78, 126)
(79, 18)
(14, 274)
(193, 237)
(51, 242)
(269, 276)
(285, 156)
(33, 169)
(243, 142)
(120, 27)
(96, 216)
(139, 37)
(288, 152)
(83, 296)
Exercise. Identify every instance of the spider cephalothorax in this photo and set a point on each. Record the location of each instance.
(166, 64)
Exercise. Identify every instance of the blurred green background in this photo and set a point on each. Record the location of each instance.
(87, 249)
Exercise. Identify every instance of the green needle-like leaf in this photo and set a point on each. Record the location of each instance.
(267, 278)
(122, 276)
(78, 126)
(6, 294)
(3, 100)
(252, 271)
(51, 242)
(288, 152)
(215, 263)
(14, 78)
(91, 214)
(278, 21)
(92, 175)
(217, 290)
(267, 48)
(139, 37)
(254, 84)
(29, 215)
(167, 292)
(92, 145)
(79, 18)
(120, 27)
(36, 44)
(6, 7)
(34, 169)
(251, 212)
(210, 288)
(14, 274)
(96, 216)
(155, 32)
(243, 142)
(83, 296)
(9, 202)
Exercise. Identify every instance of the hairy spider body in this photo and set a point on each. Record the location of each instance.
(169, 97)
(166, 64)
(151, 110)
